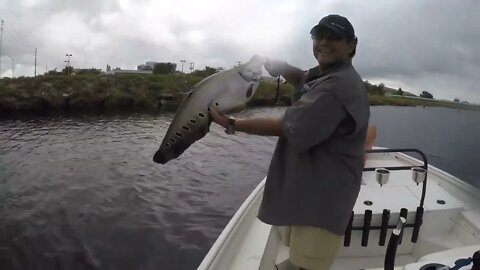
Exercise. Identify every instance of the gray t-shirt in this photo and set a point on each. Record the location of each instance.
(315, 173)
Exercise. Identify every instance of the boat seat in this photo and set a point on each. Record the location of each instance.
(454, 253)
(447, 257)
(382, 268)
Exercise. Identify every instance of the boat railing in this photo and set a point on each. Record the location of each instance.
(419, 175)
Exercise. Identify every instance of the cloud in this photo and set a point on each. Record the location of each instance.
(427, 45)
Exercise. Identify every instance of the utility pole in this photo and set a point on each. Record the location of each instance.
(68, 63)
(1, 38)
(46, 69)
(183, 61)
(35, 62)
(239, 62)
(192, 66)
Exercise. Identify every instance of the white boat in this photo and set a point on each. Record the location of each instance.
(450, 230)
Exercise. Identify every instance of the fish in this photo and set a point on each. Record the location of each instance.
(226, 91)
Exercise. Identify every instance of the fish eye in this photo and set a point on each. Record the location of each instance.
(216, 104)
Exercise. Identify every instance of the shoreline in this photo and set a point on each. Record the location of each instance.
(22, 115)
(150, 94)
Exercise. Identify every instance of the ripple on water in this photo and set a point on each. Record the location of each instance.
(83, 192)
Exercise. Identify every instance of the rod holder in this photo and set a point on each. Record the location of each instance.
(382, 176)
(366, 227)
(384, 227)
(348, 232)
(393, 244)
(418, 175)
(403, 214)
(418, 223)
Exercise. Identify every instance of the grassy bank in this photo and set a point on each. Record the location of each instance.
(144, 93)
(418, 102)
(150, 93)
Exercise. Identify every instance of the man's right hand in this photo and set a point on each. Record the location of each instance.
(275, 67)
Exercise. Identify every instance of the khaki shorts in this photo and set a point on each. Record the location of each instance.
(310, 247)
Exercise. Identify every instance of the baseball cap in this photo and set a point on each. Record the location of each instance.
(339, 25)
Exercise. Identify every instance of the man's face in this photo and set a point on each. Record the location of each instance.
(330, 49)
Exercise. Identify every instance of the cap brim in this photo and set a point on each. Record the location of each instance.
(325, 27)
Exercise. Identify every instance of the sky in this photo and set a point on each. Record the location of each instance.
(428, 45)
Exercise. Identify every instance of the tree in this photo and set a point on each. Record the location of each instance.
(67, 70)
(89, 71)
(53, 72)
(456, 100)
(426, 94)
(206, 72)
(164, 68)
(400, 92)
(378, 90)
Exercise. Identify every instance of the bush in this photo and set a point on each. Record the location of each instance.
(426, 94)
(164, 68)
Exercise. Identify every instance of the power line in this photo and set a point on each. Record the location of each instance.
(19, 36)
(18, 40)
(1, 38)
(35, 74)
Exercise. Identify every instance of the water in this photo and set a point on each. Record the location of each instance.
(83, 193)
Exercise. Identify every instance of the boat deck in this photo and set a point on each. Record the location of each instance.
(451, 220)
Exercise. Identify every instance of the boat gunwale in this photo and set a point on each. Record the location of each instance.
(445, 177)
(231, 225)
(221, 241)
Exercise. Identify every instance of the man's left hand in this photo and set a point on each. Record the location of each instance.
(217, 117)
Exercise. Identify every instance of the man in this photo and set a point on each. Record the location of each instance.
(315, 174)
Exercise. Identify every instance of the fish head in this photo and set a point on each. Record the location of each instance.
(251, 71)
(240, 87)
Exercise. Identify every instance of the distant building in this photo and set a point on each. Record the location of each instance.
(143, 67)
(147, 66)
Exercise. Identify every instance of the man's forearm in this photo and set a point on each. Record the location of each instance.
(260, 126)
(293, 75)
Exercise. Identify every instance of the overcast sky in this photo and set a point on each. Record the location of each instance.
(429, 45)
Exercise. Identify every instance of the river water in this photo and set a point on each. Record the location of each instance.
(81, 192)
